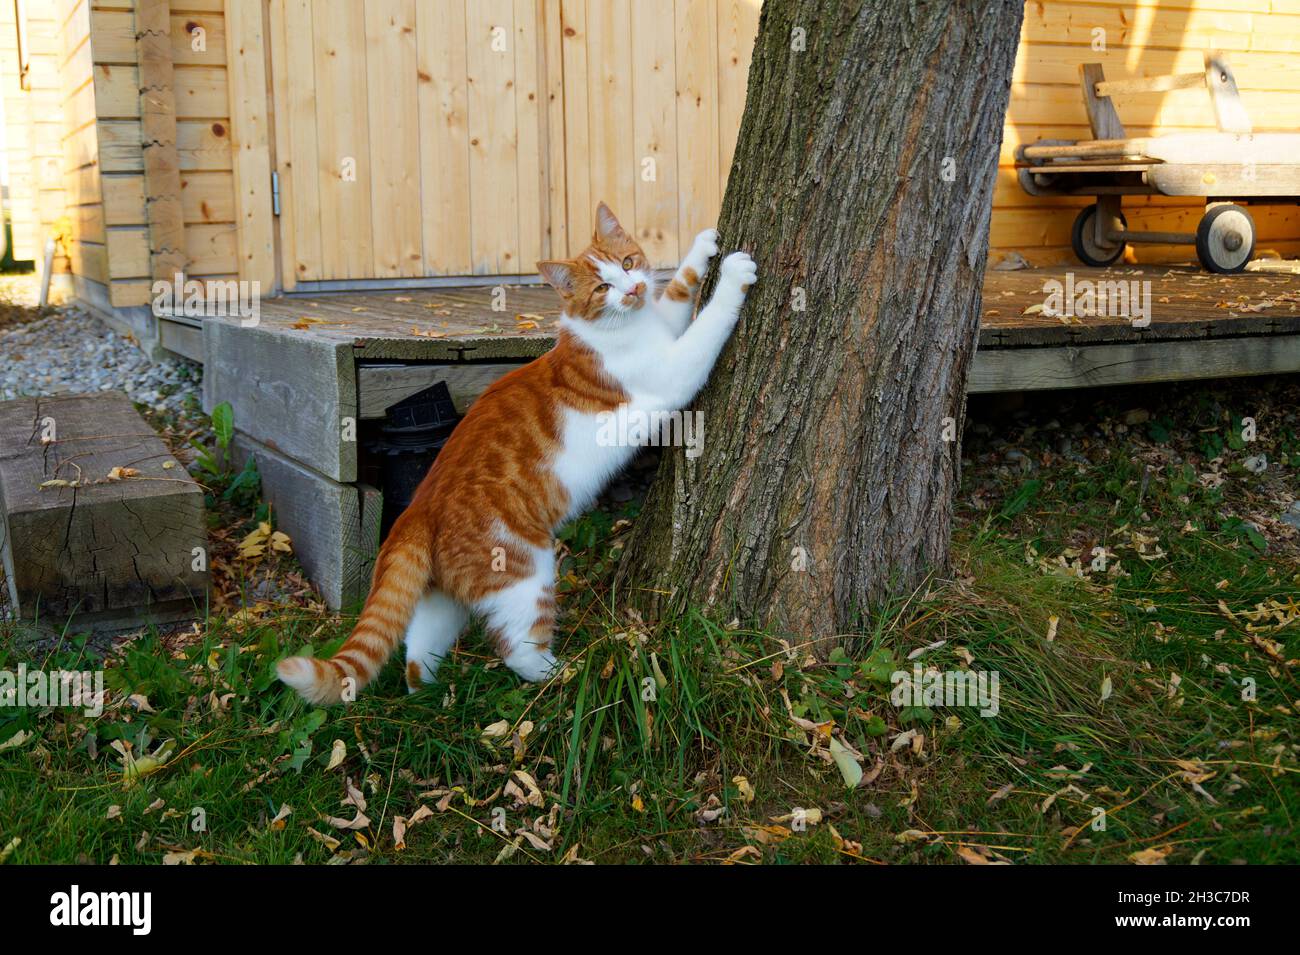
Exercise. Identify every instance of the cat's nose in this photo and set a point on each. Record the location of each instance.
(639, 289)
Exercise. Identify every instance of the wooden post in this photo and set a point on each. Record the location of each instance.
(1101, 111)
(162, 175)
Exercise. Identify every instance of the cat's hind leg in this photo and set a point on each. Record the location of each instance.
(520, 619)
(432, 632)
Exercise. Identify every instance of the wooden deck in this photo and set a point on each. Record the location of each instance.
(311, 382)
(1186, 305)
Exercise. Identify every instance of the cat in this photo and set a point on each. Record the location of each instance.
(479, 534)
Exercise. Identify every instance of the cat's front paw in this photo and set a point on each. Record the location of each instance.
(739, 270)
(705, 246)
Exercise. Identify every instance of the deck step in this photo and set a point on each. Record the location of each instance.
(122, 543)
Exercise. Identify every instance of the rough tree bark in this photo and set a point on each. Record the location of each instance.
(862, 185)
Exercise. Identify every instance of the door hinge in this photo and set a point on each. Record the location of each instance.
(275, 193)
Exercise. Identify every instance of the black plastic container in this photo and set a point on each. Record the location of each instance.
(413, 431)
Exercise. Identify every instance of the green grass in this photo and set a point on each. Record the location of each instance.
(694, 742)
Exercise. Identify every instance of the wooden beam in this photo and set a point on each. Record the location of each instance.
(1152, 84)
(379, 387)
(250, 114)
(1101, 111)
(1091, 366)
(162, 176)
(109, 552)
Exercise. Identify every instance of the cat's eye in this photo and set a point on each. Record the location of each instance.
(627, 263)
(602, 287)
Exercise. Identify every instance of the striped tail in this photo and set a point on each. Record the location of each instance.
(401, 579)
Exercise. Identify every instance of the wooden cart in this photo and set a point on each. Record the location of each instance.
(1226, 168)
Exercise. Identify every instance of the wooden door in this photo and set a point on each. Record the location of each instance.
(423, 138)
(416, 138)
(653, 94)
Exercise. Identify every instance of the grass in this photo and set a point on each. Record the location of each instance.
(1158, 687)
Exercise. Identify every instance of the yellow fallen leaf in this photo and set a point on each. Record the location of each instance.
(744, 788)
(329, 842)
(1155, 856)
(134, 768)
(338, 753)
(849, 767)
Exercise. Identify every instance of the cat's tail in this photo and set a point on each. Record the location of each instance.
(401, 579)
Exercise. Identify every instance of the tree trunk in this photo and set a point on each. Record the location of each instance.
(862, 186)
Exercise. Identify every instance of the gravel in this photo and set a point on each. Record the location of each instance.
(72, 352)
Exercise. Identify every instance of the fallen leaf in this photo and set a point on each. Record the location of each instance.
(849, 767)
(1154, 856)
(329, 842)
(338, 753)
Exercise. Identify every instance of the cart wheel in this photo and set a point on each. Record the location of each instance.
(1225, 239)
(1084, 240)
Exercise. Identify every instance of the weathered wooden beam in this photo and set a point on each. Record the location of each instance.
(379, 387)
(162, 176)
(107, 550)
(296, 393)
(334, 527)
(1090, 366)
(1101, 111)
(1150, 84)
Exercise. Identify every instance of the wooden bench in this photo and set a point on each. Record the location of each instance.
(102, 529)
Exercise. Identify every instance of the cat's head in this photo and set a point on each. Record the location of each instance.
(610, 279)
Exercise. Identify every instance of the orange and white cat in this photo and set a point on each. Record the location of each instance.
(479, 534)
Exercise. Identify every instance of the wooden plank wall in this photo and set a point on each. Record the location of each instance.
(652, 100)
(1144, 38)
(483, 132)
(438, 151)
(33, 128)
(80, 147)
(202, 135)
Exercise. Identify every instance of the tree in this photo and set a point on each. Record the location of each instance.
(862, 185)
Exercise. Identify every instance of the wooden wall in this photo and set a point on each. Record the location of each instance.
(484, 132)
(653, 89)
(33, 127)
(80, 148)
(203, 142)
(413, 138)
(474, 162)
(651, 96)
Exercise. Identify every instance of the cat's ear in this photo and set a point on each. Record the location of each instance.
(607, 225)
(558, 274)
